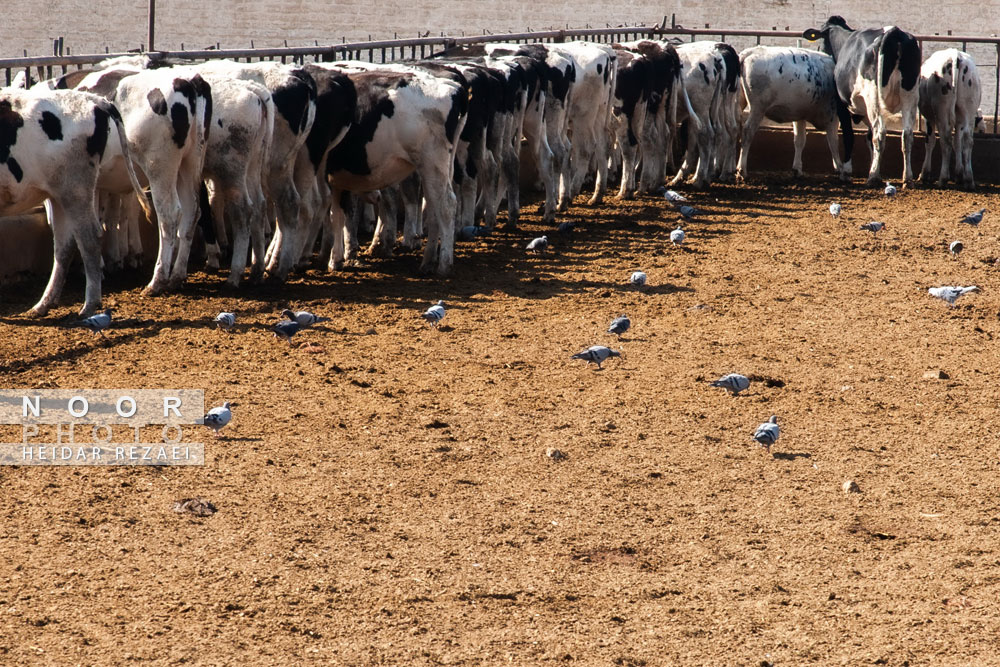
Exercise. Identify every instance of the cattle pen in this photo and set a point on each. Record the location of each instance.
(985, 50)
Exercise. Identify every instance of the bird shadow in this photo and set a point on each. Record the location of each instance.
(791, 456)
(240, 439)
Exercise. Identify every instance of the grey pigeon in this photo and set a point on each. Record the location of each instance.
(873, 227)
(596, 354)
(688, 212)
(956, 247)
(767, 433)
(974, 218)
(566, 228)
(285, 330)
(96, 323)
(673, 197)
(677, 236)
(950, 293)
(470, 232)
(217, 418)
(835, 209)
(225, 321)
(733, 382)
(303, 317)
(539, 244)
(434, 314)
(638, 278)
(890, 190)
(620, 325)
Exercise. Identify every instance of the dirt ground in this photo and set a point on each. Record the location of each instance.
(385, 497)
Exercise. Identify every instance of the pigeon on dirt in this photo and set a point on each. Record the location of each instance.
(96, 323)
(673, 197)
(285, 330)
(950, 293)
(596, 354)
(470, 232)
(303, 317)
(767, 433)
(873, 227)
(638, 278)
(835, 209)
(225, 321)
(566, 228)
(956, 247)
(677, 236)
(620, 325)
(217, 418)
(890, 190)
(688, 212)
(733, 382)
(539, 244)
(434, 314)
(974, 218)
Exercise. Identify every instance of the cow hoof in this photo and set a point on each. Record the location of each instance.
(595, 200)
(38, 311)
(232, 283)
(153, 290)
(873, 182)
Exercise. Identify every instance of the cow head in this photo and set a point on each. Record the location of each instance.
(833, 32)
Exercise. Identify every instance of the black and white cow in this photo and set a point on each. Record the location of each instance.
(235, 163)
(293, 92)
(950, 92)
(403, 122)
(52, 143)
(664, 92)
(792, 85)
(711, 79)
(877, 73)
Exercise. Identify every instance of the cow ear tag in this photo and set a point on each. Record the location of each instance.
(811, 34)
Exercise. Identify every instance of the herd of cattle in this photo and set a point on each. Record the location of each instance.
(293, 155)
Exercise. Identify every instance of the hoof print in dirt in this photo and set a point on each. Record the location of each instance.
(195, 506)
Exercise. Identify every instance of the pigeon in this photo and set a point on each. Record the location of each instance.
(873, 227)
(539, 244)
(620, 325)
(956, 247)
(566, 228)
(286, 329)
(225, 321)
(97, 323)
(974, 218)
(470, 232)
(890, 190)
(217, 418)
(596, 354)
(688, 212)
(733, 382)
(638, 278)
(835, 209)
(434, 314)
(767, 433)
(677, 236)
(673, 197)
(303, 317)
(950, 293)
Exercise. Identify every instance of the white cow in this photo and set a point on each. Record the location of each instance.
(51, 146)
(792, 85)
(950, 92)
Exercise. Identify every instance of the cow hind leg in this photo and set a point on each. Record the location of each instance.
(929, 143)
(831, 142)
(440, 214)
(749, 132)
(799, 139)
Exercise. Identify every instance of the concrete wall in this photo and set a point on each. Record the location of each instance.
(90, 25)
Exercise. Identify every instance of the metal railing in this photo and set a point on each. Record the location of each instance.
(984, 50)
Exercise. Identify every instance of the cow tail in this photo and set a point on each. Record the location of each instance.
(956, 63)
(687, 105)
(147, 208)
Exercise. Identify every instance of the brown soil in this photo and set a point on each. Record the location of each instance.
(385, 497)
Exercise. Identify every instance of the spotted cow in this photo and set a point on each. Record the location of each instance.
(950, 92)
(793, 85)
(877, 72)
(52, 143)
